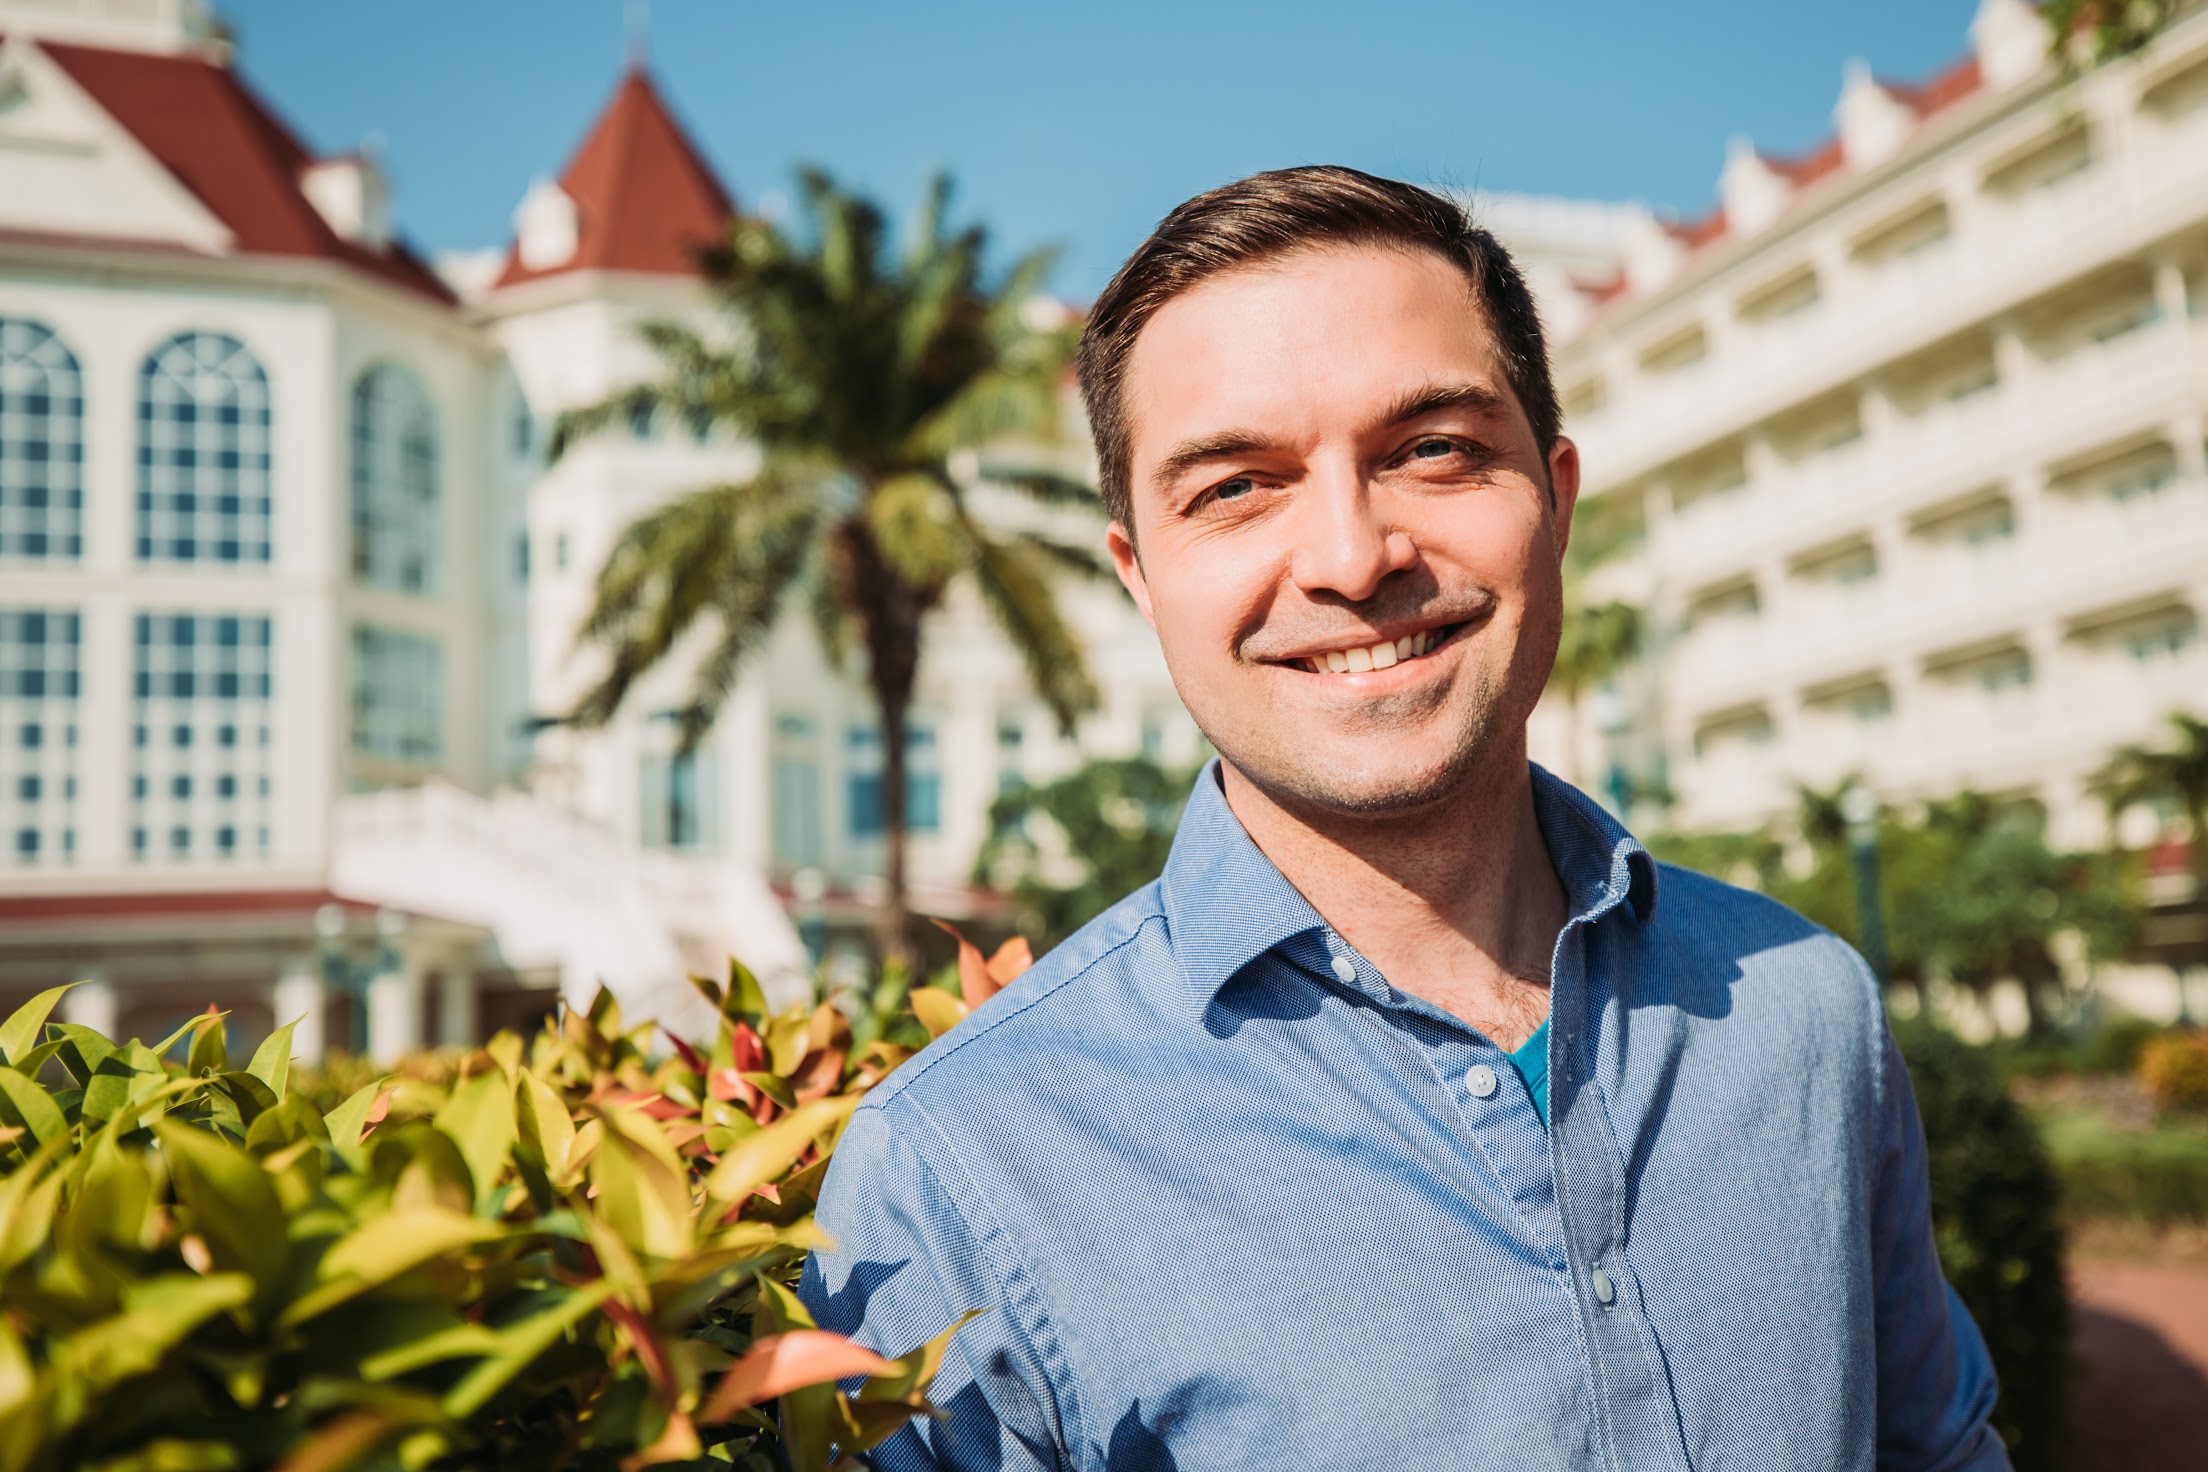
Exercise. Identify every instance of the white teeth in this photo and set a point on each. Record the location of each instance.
(1384, 655)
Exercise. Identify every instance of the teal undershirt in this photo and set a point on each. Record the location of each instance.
(1532, 1063)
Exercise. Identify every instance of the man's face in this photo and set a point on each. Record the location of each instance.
(1349, 543)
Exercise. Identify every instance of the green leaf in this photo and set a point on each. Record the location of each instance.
(210, 1047)
(350, 1118)
(82, 1050)
(758, 1159)
(648, 1205)
(272, 1060)
(158, 1314)
(109, 1088)
(746, 998)
(233, 1205)
(382, 1248)
(452, 1342)
(774, 1087)
(909, 1381)
(25, 1102)
(20, 1033)
(479, 1118)
(287, 1124)
(34, 1060)
(548, 1124)
(28, 1199)
(518, 1344)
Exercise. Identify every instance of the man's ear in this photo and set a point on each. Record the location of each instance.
(1563, 490)
(1127, 562)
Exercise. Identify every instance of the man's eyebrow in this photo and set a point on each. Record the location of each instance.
(1416, 403)
(1190, 453)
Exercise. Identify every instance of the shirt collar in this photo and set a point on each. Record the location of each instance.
(1226, 904)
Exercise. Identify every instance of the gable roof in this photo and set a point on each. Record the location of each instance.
(645, 198)
(222, 143)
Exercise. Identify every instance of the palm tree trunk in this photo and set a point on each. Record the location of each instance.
(890, 611)
(896, 917)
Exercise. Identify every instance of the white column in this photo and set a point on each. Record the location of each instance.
(2169, 293)
(394, 995)
(299, 997)
(456, 1014)
(91, 1002)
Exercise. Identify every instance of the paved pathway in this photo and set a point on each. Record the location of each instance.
(2140, 1400)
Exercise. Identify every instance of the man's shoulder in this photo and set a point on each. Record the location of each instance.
(1713, 922)
(1092, 985)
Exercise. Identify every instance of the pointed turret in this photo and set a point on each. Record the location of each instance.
(637, 196)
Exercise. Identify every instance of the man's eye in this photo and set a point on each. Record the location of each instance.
(1433, 449)
(1228, 490)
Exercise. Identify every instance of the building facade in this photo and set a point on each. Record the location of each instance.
(264, 630)
(1912, 429)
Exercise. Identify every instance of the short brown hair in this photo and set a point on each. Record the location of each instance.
(1270, 215)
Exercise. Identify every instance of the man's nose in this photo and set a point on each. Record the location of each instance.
(1344, 545)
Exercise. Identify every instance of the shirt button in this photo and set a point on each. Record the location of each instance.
(1346, 969)
(1480, 1079)
(1606, 1292)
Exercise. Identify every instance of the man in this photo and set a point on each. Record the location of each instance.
(1415, 1117)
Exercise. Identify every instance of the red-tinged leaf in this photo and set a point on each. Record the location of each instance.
(781, 1363)
(379, 1109)
(1012, 958)
(975, 984)
(650, 1353)
(727, 1085)
(750, 1049)
(686, 1053)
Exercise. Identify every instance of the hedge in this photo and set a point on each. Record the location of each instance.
(569, 1253)
(1995, 1219)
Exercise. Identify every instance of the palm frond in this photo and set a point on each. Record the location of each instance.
(1071, 557)
(1016, 588)
(1046, 486)
(677, 563)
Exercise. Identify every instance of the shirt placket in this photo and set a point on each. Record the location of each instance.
(1638, 1416)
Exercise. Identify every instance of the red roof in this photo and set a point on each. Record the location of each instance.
(1807, 169)
(1949, 87)
(645, 198)
(208, 129)
(1924, 99)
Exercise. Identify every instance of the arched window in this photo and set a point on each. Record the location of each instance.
(203, 435)
(394, 438)
(41, 444)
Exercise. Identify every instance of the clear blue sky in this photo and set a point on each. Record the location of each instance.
(1078, 121)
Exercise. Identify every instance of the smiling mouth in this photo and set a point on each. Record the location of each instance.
(1385, 654)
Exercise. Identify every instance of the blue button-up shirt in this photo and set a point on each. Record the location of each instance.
(1232, 1201)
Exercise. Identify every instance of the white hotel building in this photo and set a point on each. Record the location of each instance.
(286, 586)
(1914, 431)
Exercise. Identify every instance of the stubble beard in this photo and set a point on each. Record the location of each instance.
(1394, 758)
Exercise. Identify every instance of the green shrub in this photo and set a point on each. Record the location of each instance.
(567, 1253)
(2115, 1048)
(2174, 1069)
(1994, 1216)
(2157, 1176)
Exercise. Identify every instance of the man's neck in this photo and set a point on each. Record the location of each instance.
(1458, 904)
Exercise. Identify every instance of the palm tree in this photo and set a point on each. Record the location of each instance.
(2143, 776)
(1597, 642)
(867, 380)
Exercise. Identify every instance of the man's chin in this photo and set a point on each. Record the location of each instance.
(1355, 784)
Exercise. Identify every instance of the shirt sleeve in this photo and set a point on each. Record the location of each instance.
(903, 1265)
(1936, 1385)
